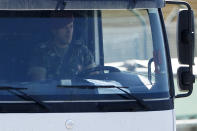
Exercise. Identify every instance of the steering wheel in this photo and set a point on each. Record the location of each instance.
(98, 68)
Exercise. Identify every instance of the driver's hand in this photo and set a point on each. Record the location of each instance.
(89, 67)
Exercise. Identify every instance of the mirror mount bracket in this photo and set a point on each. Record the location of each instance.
(179, 3)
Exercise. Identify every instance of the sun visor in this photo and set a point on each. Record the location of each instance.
(80, 4)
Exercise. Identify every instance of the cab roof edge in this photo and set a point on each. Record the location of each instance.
(113, 4)
(81, 4)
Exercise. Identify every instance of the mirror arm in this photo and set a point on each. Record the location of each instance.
(179, 3)
(185, 95)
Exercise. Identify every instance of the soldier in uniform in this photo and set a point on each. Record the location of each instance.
(60, 57)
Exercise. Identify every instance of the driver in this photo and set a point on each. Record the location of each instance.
(60, 57)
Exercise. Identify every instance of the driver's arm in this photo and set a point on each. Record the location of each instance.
(88, 60)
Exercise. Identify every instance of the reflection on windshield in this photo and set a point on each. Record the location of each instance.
(43, 49)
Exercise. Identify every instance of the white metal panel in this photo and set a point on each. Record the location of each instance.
(115, 121)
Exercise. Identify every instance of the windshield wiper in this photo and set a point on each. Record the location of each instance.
(85, 86)
(129, 95)
(138, 100)
(23, 95)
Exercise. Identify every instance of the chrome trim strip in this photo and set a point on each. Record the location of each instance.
(82, 101)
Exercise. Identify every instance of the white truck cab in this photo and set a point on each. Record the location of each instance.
(84, 65)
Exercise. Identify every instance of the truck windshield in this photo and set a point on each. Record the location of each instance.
(58, 55)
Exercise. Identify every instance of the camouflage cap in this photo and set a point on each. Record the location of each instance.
(61, 20)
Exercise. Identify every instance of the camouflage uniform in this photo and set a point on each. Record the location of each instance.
(60, 64)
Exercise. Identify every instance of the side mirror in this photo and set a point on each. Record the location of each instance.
(185, 37)
(185, 79)
(185, 43)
